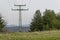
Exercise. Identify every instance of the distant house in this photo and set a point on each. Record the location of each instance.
(16, 29)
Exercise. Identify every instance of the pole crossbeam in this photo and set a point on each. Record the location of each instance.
(19, 5)
(20, 9)
(20, 16)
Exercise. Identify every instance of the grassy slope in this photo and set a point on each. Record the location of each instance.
(46, 35)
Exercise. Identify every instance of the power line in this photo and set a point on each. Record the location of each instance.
(9, 3)
(20, 16)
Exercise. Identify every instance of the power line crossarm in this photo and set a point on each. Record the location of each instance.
(19, 9)
(19, 5)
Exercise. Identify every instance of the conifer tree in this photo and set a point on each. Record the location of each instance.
(36, 24)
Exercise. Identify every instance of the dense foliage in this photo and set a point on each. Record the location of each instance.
(49, 21)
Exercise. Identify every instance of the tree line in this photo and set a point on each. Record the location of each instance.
(48, 21)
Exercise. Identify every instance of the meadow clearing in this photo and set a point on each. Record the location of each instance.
(44, 35)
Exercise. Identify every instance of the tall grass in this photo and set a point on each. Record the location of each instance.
(46, 35)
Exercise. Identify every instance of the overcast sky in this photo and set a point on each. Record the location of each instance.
(12, 17)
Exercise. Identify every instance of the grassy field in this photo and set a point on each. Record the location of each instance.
(45, 35)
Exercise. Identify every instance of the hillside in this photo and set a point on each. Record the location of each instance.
(14, 28)
(46, 35)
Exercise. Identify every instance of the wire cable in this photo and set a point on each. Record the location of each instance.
(9, 3)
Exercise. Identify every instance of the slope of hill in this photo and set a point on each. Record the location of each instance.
(13, 28)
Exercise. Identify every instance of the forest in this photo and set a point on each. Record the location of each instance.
(48, 21)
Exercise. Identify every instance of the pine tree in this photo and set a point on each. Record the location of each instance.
(36, 24)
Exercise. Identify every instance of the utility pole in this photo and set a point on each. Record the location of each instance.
(20, 16)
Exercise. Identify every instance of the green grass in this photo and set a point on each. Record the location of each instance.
(45, 35)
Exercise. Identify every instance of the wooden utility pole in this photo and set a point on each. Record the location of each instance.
(20, 16)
